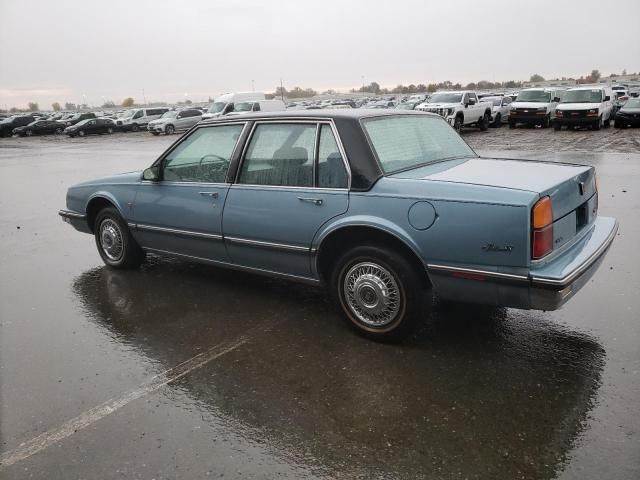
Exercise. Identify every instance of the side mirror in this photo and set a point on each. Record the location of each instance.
(607, 98)
(471, 101)
(556, 99)
(151, 174)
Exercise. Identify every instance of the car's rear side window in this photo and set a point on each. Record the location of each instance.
(404, 142)
(280, 154)
(331, 170)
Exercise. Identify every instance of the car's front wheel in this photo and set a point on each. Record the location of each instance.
(134, 127)
(116, 245)
(380, 292)
(169, 130)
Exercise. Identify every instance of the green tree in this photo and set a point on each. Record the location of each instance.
(595, 75)
(536, 78)
(128, 102)
(33, 107)
(55, 106)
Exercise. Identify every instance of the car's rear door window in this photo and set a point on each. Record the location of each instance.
(280, 154)
(204, 156)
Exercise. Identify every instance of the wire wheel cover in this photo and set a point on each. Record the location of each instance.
(372, 294)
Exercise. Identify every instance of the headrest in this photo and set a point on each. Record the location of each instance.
(291, 156)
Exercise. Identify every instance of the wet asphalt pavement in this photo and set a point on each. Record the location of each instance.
(187, 371)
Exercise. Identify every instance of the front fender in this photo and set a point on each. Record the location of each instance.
(103, 194)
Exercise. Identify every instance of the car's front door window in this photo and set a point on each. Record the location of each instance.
(280, 154)
(204, 156)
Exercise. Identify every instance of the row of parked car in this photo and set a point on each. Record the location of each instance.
(594, 106)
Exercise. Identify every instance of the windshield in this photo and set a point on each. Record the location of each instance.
(583, 96)
(169, 114)
(216, 107)
(534, 96)
(446, 98)
(128, 113)
(83, 122)
(408, 141)
(243, 107)
(632, 103)
(405, 106)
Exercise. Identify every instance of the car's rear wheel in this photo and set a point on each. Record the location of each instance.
(28, 133)
(109, 130)
(169, 129)
(498, 121)
(484, 122)
(380, 292)
(546, 122)
(59, 131)
(116, 245)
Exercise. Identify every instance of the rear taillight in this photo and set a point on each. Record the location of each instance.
(542, 228)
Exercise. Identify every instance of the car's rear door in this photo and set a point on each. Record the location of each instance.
(292, 179)
(182, 212)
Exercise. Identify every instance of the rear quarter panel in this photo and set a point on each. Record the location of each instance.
(469, 218)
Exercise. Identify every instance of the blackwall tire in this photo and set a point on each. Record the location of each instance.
(457, 124)
(380, 293)
(116, 245)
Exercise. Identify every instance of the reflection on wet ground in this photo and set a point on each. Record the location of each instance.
(477, 393)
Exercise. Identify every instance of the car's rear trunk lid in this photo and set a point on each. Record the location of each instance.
(572, 188)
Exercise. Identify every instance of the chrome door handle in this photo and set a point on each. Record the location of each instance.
(316, 201)
(209, 194)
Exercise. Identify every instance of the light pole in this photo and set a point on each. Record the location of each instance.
(253, 86)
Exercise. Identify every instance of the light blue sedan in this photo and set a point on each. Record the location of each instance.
(383, 207)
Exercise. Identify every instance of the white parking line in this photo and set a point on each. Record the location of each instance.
(46, 439)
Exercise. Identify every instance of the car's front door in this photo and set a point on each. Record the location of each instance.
(291, 181)
(182, 211)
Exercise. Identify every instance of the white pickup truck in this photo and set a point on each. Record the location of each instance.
(459, 108)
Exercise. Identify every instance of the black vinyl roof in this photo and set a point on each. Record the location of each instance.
(365, 170)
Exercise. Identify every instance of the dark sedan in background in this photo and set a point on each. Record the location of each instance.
(629, 114)
(8, 124)
(79, 117)
(91, 126)
(39, 127)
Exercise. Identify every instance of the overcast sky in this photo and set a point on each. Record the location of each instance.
(69, 50)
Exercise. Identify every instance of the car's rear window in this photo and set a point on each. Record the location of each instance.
(405, 142)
